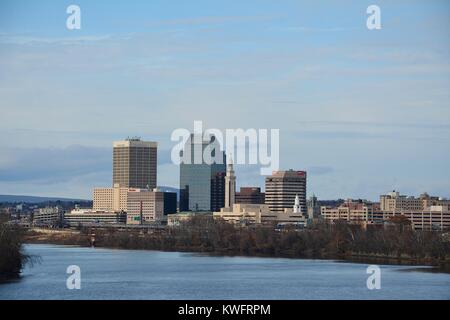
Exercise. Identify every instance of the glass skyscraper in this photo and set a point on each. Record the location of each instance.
(202, 184)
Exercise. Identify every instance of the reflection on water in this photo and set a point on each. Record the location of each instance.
(131, 274)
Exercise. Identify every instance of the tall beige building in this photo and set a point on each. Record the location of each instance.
(134, 163)
(281, 189)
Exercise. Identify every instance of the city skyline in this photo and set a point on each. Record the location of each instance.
(243, 186)
(363, 112)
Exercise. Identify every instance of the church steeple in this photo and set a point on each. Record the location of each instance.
(297, 206)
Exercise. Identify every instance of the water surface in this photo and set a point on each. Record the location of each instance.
(132, 274)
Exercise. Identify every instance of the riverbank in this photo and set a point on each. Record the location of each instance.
(345, 243)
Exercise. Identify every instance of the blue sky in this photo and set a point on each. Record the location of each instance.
(364, 112)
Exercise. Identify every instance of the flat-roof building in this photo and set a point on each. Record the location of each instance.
(350, 211)
(250, 195)
(241, 213)
(111, 199)
(50, 216)
(394, 201)
(145, 206)
(434, 217)
(282, 187)
(80, 217)
(134, 163)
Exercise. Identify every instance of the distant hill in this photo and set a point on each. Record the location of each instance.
(33, 199)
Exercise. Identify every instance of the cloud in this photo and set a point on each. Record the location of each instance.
(207, 20)
(434, 126)
(313, 29)
(33, 40)
(52, 165)
(341, 134)
(361, 101)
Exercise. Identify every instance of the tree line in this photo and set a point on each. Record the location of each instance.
(323, 240)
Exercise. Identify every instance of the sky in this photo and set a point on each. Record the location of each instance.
(362, 111)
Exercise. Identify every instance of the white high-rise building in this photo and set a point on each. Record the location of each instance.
(230, 185)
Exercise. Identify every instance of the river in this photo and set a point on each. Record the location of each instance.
(132, 274)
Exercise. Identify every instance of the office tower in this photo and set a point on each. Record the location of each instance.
(134, 163)
(230, 185)
(282, 188)
(145, 206)
(202, 183)
(170, 202)
(217, 189)
(313, 207)
(250, 195)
